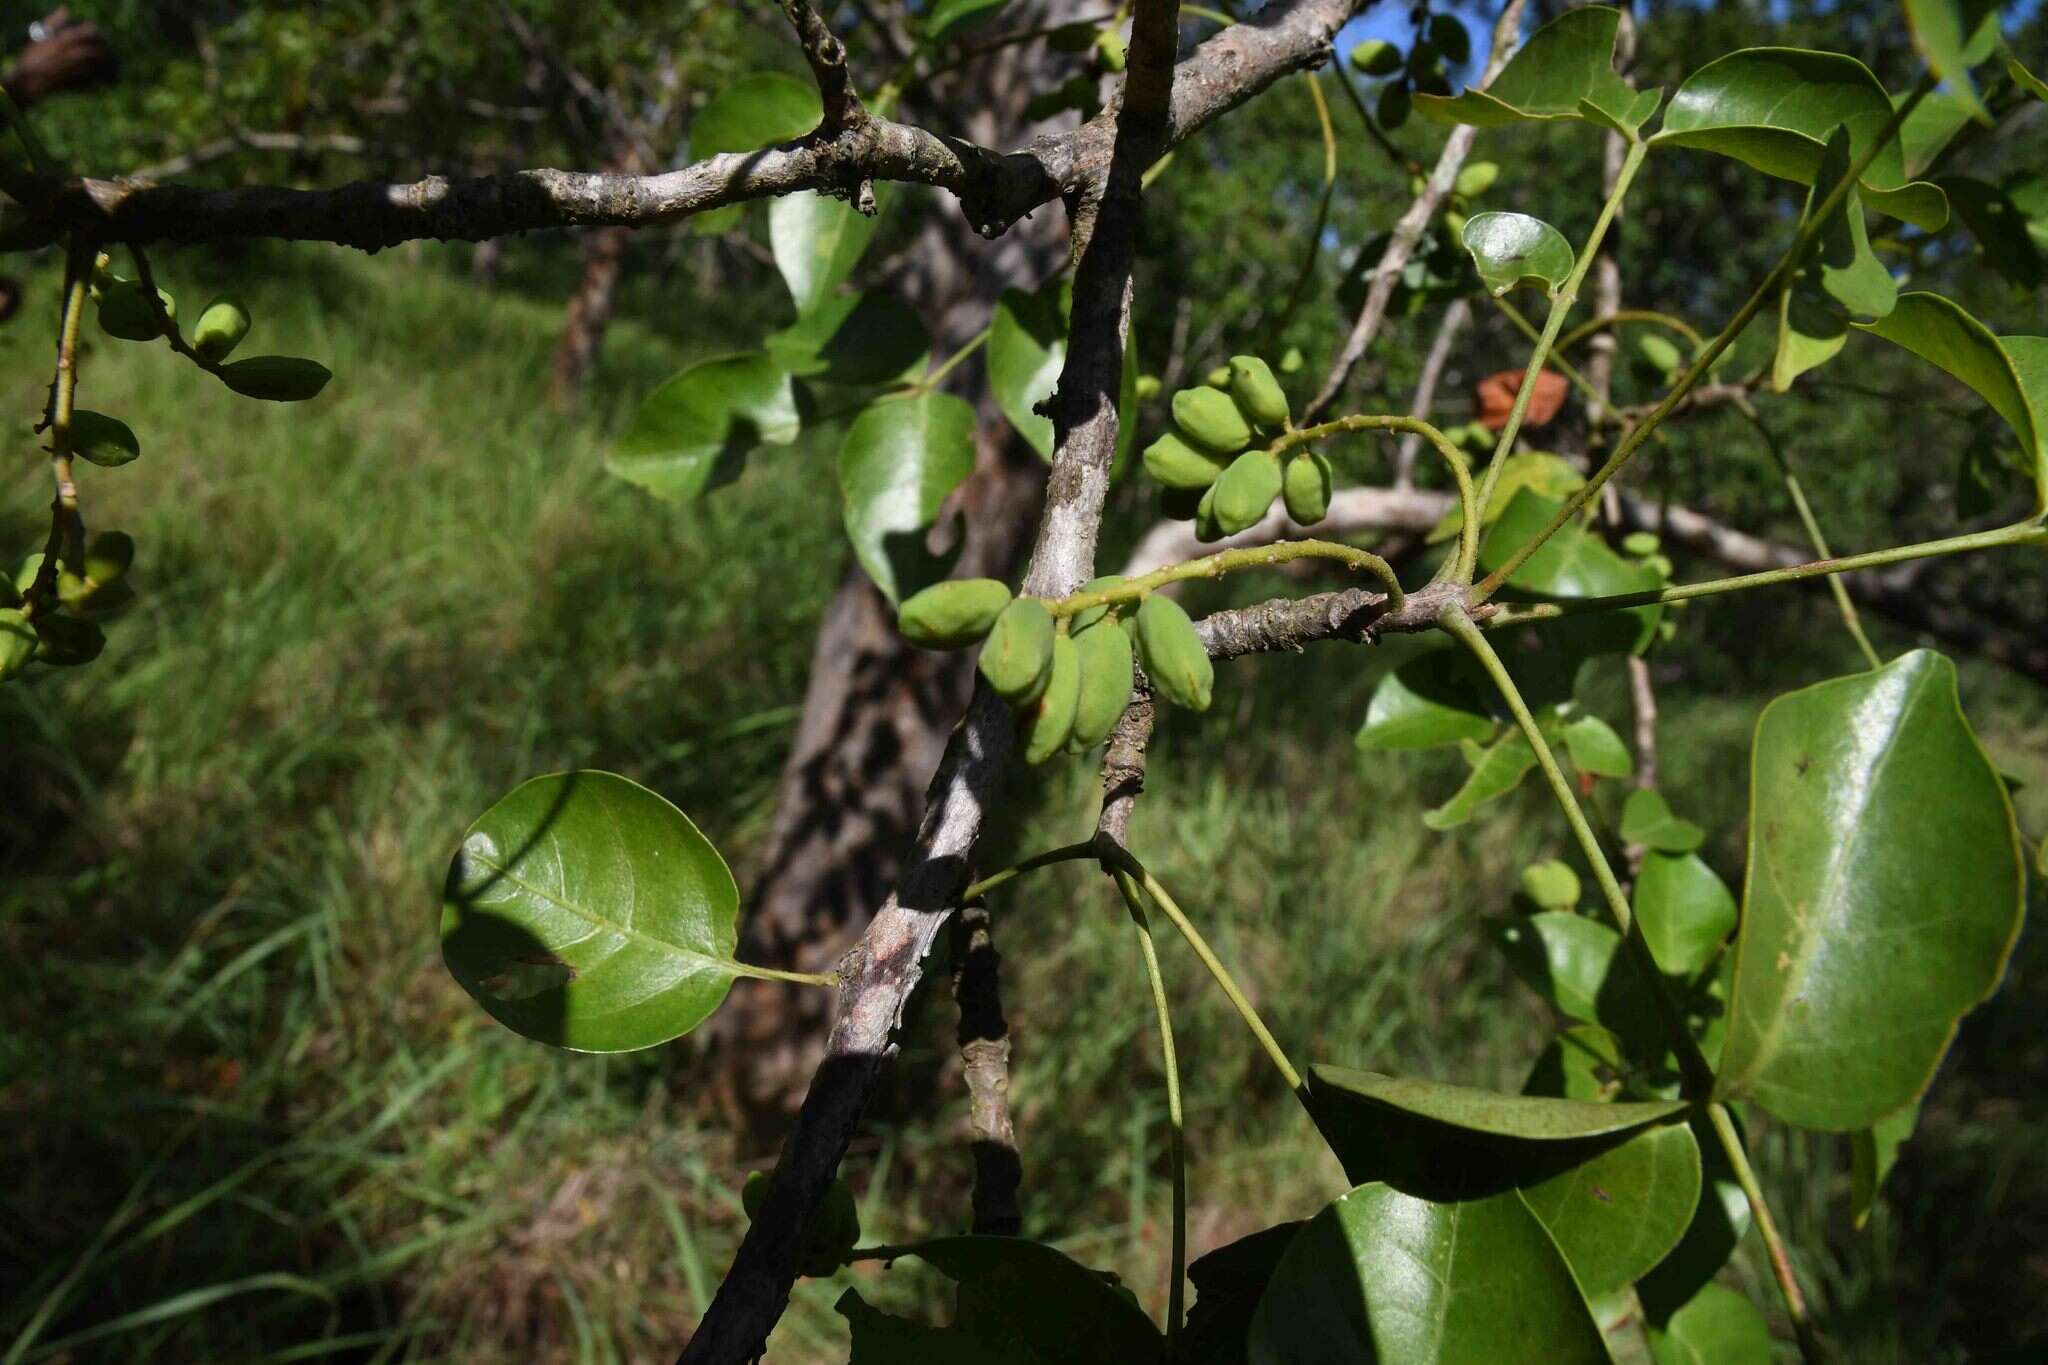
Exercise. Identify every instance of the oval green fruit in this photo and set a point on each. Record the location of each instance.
(1246, 491)
(1641, 544)
(1049, 721)
(1292, 361)
(753, 1192)
(1173, 656)
(17, 642)
(1258, 394)
(1017, 660)
(1477, 178)
(1450, 37)
(1376, 57)
(125, 311)
(1088, 616)
(1218, 378)
(1147, 387)
(66, 641)
(1208, 417)
(1105, 686)
(109, 556)
(1659, 353)
(220, 328)
(1206, 528)
(952, 614)
(1306, 489)
(277, 378)
(1177, 463)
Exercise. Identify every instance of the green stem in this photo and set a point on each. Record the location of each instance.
(1066, 853)
(1229, 561)
(2020, 533)
(63, 404)
(1767, 1227)
(1650, 315)
(1850, 618)
(973, 344)
(1560, 304)
(1177, 1132)
(1121, 858)
(1461, 469)
(1699, 1075)
(1766, 289)
(774, 974)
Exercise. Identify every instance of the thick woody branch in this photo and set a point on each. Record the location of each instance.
(1354, 614)
(994, 189)
(984, 1039)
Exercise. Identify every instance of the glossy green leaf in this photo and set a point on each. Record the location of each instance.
(1572, 563)
(105, 441)
(1578, 964)
(2026, 80)
(1595, 749)
(1718, 1226)
(1565, 70)
(1381, 1276)
(1952, 36)
(1810, 334)
(1509, 249)
(1019, 1303)
(1228, 1284)
(753, 112)
(693, 433)
(1719, 1327)
(1027, 345)
(1433, 700)
(1551, 884)
(1873, 1153)
(1686, 911)
(1999, 226)
(1489, 1113)
(1553, 476)
(955, 18)
(1838, 275)
(1618, 1214)
(1884, 893)
(587, 912)
(276, 378)
(900, 459)
(1496, 770)
(1646, 818)
(1929, 127)
(817, 241)
(857, 339)
(2009, 373)
(1774, 108)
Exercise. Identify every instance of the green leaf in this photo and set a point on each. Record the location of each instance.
(1885, 880)
(1686, 911)
(1578, 964)
(1873, 1153)
(1719, 1327)
(1485, 1113)
(1646, 818)
(693, 433)
(956, 18)
(1999, 227)
(1617, 1215)
(900, 458)
(1565, 70)
(1496, 770)
(1572, 563)
(1718, 1226)
(1931, 125)
(1432, 700)
(1020, 1303)
(587, 912)
(858, 339)
(1952, 36)
(1512, 248)
(2009, 373)
(1596, 750)
(106, 441)
(1229, 1283)
(1553, 476)
(1838, 275)
(1585, 1062)
(1551, 884)
(1027, 345)
(817, 241)
(1774, 108)
(1381, 1276)
(753, 112)
(2026, 80)
(276, 378)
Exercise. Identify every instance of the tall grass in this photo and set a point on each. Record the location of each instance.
(246, 1116)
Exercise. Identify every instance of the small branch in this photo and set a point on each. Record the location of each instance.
(827, 56)
(1123, 765)
(1767, 1227)
(1230, 561)
(984, 1039)
(67, 527)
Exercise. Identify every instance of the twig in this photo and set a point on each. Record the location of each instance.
(984, 1039)
(827, 58)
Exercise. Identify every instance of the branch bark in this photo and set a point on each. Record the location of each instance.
(984, 1039)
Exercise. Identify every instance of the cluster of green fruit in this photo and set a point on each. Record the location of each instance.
(1207, 469)
(834, 1229)
(1439, 44)
(69, 636)
(125, 312)
(1067, 678)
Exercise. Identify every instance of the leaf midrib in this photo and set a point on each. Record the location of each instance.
(593, 917)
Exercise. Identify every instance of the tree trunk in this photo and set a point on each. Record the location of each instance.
(590, 307)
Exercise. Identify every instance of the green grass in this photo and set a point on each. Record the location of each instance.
(246, 1115)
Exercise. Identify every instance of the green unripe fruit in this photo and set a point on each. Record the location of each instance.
(1206, 528)
(278, 378)
(1088, 616)
(1209, 418)
(1147, 387)
(109, 556)
(1218, 378)
(753, 1192)
(1448, 36)
(1551, 884)
(1017, 660)
(1173, 655)
(1376, 57)
(1105, 686)
(1258, 394)
(1292, 361)
(1246, 490)
(125, 311)
(1306, 489)
(17, 642)
(1477, 178)
(1176, 463)
(1394, 106)
(1050, 720)
(1181, 504)
(952, 614)
(220, 328)
(1109, 51)
(66, 641)
(1641, 544)
(1658, 353)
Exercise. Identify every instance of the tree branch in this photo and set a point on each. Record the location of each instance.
(827, 56)
(984, 1039)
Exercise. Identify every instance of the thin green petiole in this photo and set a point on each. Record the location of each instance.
(968, 348)
(1767, 1228)
(1176, 1129)
(1066, 853)
(1229, 561)
(748, 969)
(1651, 315)
(1461, 469)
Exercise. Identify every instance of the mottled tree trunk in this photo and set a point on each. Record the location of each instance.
(590, 307)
